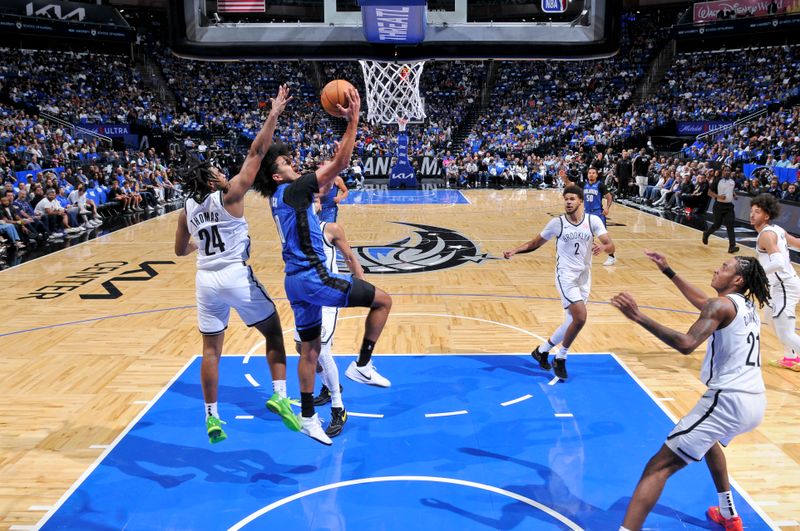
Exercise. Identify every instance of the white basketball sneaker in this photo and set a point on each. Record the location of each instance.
(611, 260)
(313, 428)
(366, 375)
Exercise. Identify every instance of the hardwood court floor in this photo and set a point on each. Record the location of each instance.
(76, 370)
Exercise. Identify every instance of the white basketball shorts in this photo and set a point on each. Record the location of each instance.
(718, 416)
(573, 289)
(232, 287)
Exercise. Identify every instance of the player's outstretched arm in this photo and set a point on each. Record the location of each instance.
(792, 240)
(562, 174)
(527, 247)
(718, 311)
(338, 182)
(692, 293)
(328, 172)
(183, 239)
(258, 149)
(335, 234)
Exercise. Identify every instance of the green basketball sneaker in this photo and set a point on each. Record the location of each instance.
(283, 407)
(214, 428)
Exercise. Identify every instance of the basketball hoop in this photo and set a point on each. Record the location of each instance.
(401, 123)
(393, 92)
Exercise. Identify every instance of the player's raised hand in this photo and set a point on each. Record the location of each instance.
(280, 101)
(353, 106)
(625, 303)
(509, 254)
(659, 259)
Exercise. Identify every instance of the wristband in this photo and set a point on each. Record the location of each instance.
(669, 272)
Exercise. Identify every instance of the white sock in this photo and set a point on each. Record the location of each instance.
(547, 346)
(562, 353)
(726, 507)
(332, 374)
(211, 410)
(279, 386)
(623, 528)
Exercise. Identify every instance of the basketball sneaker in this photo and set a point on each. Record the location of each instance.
(730, 524)
(283, 408)
(366, 375)
(611, 260)
(542, 358)
(560, 368)
(787, 363)
(313, 428)
(214, 429)
(324, 395)
(338, 419)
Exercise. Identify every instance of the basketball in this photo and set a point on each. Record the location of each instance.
(333, 94)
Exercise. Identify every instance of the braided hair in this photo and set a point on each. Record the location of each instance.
(197, 178)
(756, 283)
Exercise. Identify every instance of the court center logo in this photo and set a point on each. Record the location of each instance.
(428, 249)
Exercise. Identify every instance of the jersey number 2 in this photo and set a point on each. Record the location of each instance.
(577, 249)
(214, 240)
(755, 346)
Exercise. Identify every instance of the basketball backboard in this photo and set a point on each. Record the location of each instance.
(452, 29)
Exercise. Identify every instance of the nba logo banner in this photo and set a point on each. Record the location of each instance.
(554, 6)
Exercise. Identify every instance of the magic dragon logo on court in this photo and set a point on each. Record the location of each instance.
(429, 248)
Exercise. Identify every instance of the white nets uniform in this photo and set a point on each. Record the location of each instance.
(735, 401)
(329, 314)
(573, 255)
(223, 277)
(784, 286)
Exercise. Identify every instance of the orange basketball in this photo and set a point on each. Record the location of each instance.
(333, 93)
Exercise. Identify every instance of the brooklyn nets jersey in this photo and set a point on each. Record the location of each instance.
(222, 239)
(733, 355)
(787, 271)
(330, 251)
(574, 242)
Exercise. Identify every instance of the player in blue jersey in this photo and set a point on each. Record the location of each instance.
(309, 284)
(594, 193)
(330, 198)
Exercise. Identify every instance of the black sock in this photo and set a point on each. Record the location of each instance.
(365, 354)
(611, 255)
(307, 404)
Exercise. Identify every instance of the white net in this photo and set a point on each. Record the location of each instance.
(393, 91)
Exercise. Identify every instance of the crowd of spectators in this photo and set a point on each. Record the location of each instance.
(541, 117)
(56, 186)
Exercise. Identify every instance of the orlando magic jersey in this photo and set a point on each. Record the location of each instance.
(298, 225)
(785, 272)
(593, 198)
(573, 242)
(222, 239)
(733, 355)
(330, 209)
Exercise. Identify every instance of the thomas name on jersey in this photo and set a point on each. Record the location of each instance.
(205, 217)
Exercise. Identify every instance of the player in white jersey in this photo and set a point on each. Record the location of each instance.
(575, 232)
(735, 401)
(333, 238)
(213, 224)
(772, 248)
